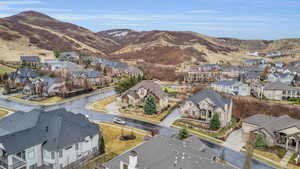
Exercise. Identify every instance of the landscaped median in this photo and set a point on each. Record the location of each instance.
(5, 111)
(113, 145)
(99, 106)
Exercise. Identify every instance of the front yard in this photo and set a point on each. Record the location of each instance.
(113, 145)
(193, 126)
(138, 113)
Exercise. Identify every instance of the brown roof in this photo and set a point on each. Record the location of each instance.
(150, 85)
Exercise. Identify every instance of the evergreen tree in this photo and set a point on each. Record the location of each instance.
(215, 123)
(102, 146)
(150, 105)
(56, 52)
(183, 134)
(260, 141)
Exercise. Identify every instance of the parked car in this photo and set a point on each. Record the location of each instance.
(119, 121)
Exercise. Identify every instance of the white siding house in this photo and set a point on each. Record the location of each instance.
(232, 87)
(53, 139)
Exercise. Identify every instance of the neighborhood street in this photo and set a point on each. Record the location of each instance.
(78, 106)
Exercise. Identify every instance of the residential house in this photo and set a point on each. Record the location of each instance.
(231, 73)
(46, 87)
(64, 68)
(117, 69)
(203, 73)
(30, 60)
(161, 152)
(142, 90)
(254, 62)
(285, 78)
(280, 131)
(204, 104)
(232, 87)
(23, 76)
(280, 91)
(69, 56)
(91, 77)
(274, 54)
(279, 64)
(253, 53)
(250, 77)
(47, 139)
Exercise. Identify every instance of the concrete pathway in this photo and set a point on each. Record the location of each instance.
(172, 117)
(235, 141)
(285, 160)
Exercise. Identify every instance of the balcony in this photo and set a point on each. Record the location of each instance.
(17, 162)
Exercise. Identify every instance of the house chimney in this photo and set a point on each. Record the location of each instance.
(133, 160)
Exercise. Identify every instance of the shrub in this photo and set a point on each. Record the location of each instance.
(260, 142)
(183, 133)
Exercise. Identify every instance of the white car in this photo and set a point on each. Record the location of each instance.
(119, 121)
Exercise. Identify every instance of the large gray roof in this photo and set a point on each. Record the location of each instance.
(227, 83)
(215, 97)
(279, 86)
(161, 153)
(273, 124)
(55, 129)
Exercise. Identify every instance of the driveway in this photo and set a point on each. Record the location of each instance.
(171, 118)
(235, 141)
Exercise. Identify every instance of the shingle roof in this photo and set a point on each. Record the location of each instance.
(279, 86)
(273, 124)
(216, 98)
(56, 129)
(227, 82)
(171, 154)
(30, 58)
(150, 85)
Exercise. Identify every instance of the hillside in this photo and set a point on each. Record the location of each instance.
(35, 33)
(162, 54)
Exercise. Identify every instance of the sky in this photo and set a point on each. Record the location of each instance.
(244, 19)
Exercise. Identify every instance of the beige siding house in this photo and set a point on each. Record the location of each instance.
(139, 92)
(204, 104)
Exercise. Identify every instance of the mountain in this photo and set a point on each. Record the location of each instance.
(31, 33)
(162, 54)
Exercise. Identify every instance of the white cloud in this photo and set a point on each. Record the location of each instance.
(203, 11)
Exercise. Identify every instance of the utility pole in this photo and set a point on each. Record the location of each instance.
(250, 149)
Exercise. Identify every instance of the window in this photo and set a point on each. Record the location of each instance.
(34, 166)
(60, 153)
(52, 155)
(30, 154)
(76, 146)
(125, 166)
(60, 166)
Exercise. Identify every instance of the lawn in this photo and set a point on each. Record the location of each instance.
(112, 133)
(113, 145)
(202, 135)
(101, 104)
(152, 119)
(269, 155)
(50, 100)
(4, 111)
(218, 134)
(5, 69)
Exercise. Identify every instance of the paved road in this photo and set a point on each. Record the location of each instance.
(235, 141)
(78, 106)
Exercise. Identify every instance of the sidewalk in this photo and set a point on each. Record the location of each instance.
(285, 160)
